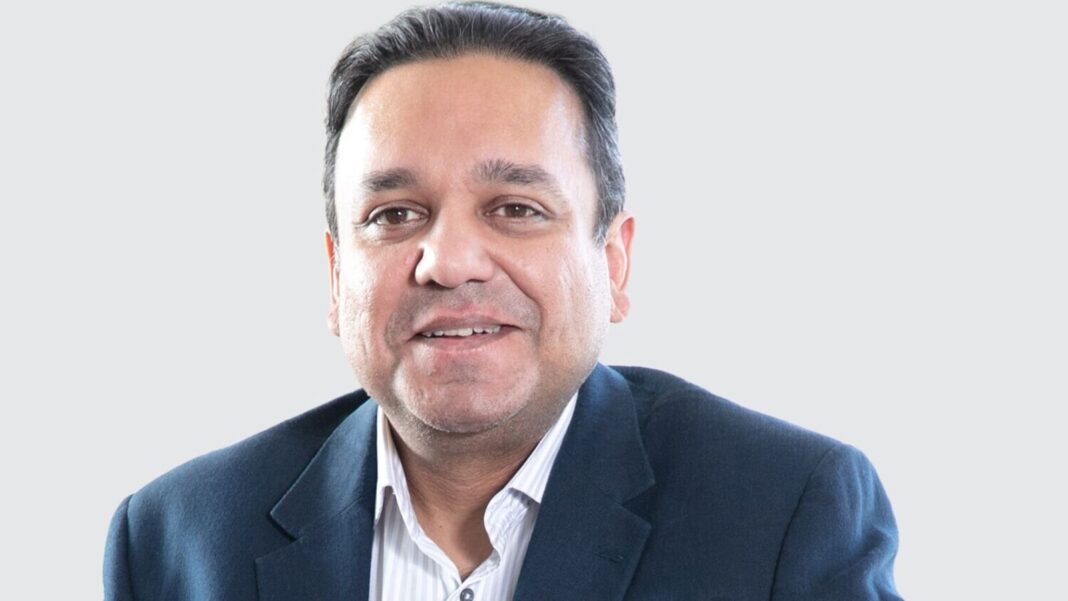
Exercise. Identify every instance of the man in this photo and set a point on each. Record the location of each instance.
(478, 250)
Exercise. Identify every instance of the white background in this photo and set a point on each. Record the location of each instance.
(851, 216)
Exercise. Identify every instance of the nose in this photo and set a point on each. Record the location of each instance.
(453, 253)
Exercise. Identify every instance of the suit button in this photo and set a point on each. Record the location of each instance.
(467, 595)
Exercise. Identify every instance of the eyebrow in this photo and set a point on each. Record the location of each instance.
(388, 179)
(494, 171)
(502, 171)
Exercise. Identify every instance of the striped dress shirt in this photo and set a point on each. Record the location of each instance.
(407, 565)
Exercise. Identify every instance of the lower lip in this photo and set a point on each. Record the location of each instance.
(463, 343)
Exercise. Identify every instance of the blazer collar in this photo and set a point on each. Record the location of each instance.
(329, 511)
(586, 543)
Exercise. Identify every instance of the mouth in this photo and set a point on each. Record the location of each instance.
(462, 333)
(465, 332)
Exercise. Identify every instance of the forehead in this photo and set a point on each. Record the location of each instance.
(477, 84)
(469, 108)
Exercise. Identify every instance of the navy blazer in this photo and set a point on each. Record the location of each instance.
(660, 491)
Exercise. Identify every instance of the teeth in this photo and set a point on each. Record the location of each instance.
(462, 332)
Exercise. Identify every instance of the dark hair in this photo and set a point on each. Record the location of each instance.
(454, 29)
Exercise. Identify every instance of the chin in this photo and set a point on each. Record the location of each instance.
(460, 410)
(451, 421)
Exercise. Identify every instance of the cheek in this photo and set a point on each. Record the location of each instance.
(364, 296)
(591, 298)
(352, 322)
(572, 294)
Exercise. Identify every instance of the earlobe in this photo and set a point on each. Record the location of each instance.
(617, 252)
(335, 291)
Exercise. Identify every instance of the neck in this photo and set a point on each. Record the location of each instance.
(450, 493)
(452, 477)
(457, 482)
(466, 467)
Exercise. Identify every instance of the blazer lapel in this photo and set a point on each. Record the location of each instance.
(586, 542)
(329, 512)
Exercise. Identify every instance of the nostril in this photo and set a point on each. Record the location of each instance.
(453, 262)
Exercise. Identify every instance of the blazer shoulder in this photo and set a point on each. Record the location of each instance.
(262, 465)
(792, 514)
(686, 424)
(193, 532)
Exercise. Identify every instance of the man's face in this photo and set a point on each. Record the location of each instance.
(468, 290)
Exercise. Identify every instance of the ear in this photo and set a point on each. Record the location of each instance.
(335, 286)
(617, 253)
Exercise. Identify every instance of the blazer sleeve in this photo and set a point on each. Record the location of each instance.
(117, 577)
(842, 538)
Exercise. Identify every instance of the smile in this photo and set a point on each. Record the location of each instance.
(461, 332)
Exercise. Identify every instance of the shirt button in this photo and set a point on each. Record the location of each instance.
(467, 595)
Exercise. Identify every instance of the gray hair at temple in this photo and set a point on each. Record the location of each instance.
(454, 29)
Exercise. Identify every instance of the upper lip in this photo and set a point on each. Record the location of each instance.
(455, 322)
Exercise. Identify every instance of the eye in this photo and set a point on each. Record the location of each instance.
(515, 210)
(392, 216)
